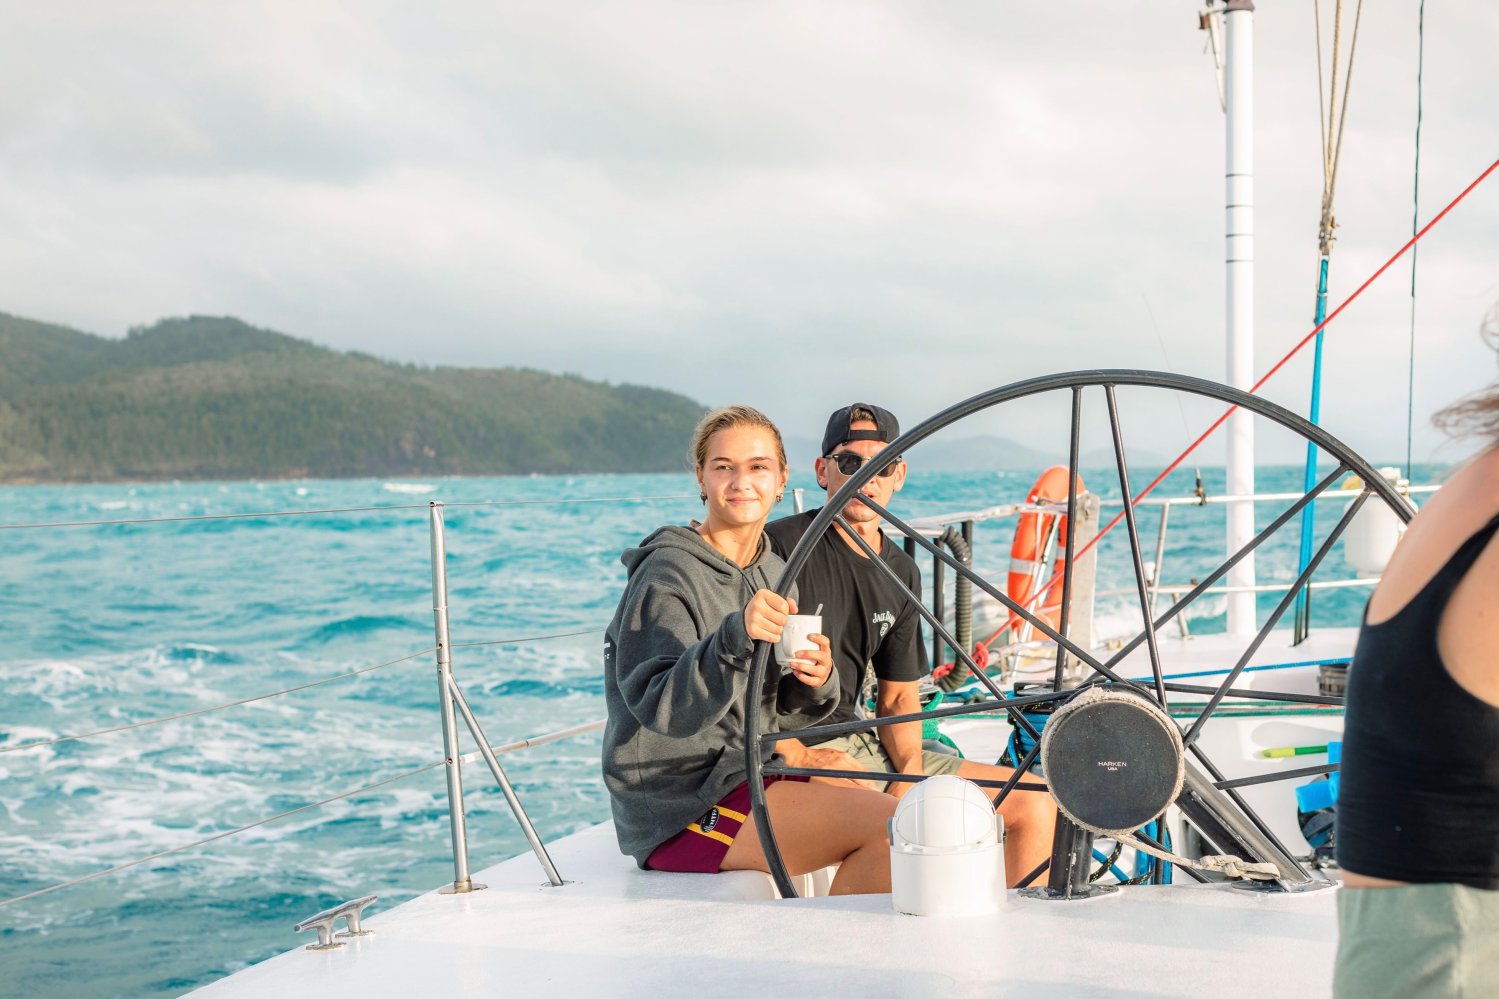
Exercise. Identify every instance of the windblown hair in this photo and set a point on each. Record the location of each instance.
(723, 419)
(1477, 415)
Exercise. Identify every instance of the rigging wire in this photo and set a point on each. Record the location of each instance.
(1321, 114)
(217, 836)
(216, 707)
(1180, 406)
(1332, 149)
(1332, 123)
(1410, 390)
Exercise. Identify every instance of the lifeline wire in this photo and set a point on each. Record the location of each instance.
(216, 707)
(522, 641)
(210, 516)
(216, 836)
(1257, 386)
(565, 502)
(342, 509)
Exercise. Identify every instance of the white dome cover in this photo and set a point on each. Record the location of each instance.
(944, 814)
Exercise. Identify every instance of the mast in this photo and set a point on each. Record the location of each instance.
(1238, 18)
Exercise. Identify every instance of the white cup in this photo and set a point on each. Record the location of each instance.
(794, 636)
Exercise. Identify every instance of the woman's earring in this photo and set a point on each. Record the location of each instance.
(780, 496)
(702, 497)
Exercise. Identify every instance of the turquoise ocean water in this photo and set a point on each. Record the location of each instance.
(107, 625)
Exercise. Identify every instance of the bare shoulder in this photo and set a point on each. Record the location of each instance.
(1469, 630)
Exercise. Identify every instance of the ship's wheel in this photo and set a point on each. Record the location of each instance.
(1134, 711)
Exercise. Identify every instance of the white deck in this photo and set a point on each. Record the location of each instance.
(616, 930)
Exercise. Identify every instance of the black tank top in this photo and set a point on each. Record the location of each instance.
(1419, 795)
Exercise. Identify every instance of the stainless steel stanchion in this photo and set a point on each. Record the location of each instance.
(461, 880)
(509, 792)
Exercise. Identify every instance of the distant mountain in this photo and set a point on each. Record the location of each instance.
(213, 397)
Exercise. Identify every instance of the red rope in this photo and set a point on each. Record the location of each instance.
(1014, 619)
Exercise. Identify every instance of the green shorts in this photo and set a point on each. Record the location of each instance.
(866, 749)
(1417, 941)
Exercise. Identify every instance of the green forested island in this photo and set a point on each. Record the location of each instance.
(211, 397)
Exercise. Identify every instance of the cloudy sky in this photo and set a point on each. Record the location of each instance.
(788, 204)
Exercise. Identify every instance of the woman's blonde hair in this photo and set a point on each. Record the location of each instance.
(1478, 414)
(723, 419)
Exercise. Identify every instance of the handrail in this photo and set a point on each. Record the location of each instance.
(1175, 588)
(935, 523)
(217, 707)
(1340, 494)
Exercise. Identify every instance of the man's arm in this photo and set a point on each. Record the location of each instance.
(899, 663)
(902, 742)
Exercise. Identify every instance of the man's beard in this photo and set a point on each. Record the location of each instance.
(855, 510)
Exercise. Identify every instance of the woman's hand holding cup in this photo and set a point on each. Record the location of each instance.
(808, 655)
(765, 615)
(812, 666)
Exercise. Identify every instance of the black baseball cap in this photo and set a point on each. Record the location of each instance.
(838, 432)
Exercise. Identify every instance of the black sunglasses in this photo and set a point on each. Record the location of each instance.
(848, 463)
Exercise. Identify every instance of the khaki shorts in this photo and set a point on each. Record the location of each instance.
(1417, 941)
(866, 749)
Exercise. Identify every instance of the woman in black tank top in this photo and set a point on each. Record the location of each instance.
(1418, 808)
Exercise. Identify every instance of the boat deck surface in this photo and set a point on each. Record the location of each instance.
(618, 931)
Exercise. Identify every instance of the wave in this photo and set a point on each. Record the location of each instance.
(356, 626)
(528, 687)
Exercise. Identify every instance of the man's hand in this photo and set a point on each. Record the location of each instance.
(898, 788)
(815, 758)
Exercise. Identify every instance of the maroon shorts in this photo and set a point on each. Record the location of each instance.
(700, 848)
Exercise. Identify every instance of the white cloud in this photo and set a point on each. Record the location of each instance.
(790, 204)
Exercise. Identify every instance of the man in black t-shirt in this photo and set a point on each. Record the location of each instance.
(873, 626)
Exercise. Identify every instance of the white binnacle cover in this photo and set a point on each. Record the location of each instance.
(946, 850)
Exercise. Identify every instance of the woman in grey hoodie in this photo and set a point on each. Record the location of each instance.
(676, 670)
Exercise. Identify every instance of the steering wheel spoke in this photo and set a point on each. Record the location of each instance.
(1203, 702)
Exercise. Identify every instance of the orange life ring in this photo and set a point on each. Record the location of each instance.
(1040, 538)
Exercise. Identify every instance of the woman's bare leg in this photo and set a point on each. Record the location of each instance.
(817, 825)
(1030, 821)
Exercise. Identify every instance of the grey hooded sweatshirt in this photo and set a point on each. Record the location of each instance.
(676, 670)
